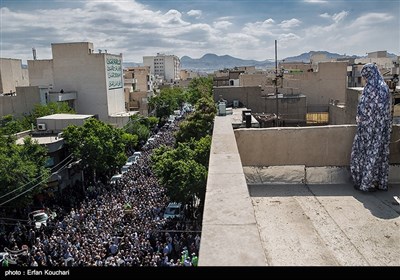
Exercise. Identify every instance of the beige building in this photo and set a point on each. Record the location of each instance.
(12, 75)
(291, 108)
(188, 74)
(256, 79)
(139, 85)
(22, 101)
(328, 81)
(96, 78)
(380, 58)
(388, 66)
(167, 67)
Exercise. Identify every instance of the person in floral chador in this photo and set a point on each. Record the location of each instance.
(369, 164)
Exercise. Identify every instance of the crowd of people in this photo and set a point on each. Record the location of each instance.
(101, 231)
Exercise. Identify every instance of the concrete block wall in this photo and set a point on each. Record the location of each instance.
(309, 146)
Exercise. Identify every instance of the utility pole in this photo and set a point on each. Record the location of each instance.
(276, 82)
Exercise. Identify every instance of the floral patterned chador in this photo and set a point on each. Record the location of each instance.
(369, 163)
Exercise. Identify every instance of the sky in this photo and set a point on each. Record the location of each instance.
(245, 29)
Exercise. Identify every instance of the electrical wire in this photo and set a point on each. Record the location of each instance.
(32, 180)
(24, 192)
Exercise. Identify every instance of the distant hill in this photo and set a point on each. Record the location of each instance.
(210, 62)
(305, 57)
(130, 64)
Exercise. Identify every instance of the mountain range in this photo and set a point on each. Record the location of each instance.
(211, 62)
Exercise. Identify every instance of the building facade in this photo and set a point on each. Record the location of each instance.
(12, 75)
(139, 85)
(167, 67)
(96, 78)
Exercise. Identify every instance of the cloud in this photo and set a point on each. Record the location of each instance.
(287, 24)
(335, 17)
(195, 13)
(225, 18)
(371, 19)
(224, 24)
(259, 28)
(137, 30)
(315, 1)
(173, 17)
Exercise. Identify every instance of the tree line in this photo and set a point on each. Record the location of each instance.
(101, 149)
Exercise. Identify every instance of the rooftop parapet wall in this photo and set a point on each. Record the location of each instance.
(230, 236)
(309, 146)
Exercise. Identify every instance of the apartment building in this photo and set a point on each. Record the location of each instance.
(167, 67)
(12, 75)
(139, 85)
(96, 77)
(388, 65)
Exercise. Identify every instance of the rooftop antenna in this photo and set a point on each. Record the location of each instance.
(34, 53)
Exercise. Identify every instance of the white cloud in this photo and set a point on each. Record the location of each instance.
(222, 24)
(371, 19)
(195, 13)
(335, 17)
(259, 28)
(287, 24)
(137, 30)
(315, 1)
(225, 18)
(173, 17)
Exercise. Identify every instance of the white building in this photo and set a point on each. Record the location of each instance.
(96, 77)
(167, 67)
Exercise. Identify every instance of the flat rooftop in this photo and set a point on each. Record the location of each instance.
(326, 224)
(65, 117)
(42, 140)
(293, 215)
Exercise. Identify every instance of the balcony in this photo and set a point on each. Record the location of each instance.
(62, 96)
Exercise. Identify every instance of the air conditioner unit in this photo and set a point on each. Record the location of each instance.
(41, 126)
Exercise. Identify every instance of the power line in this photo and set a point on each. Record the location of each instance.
(24, 192)
(33, 179)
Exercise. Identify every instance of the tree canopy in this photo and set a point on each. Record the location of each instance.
(99, 146)
(166, 102)
(198, 88)
(10, 125)
(140, 127)
(199, 123)
(183, 170)
(45, 110)
(23, 171)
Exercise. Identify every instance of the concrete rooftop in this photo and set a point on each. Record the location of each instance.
(327, 225)
(293, 215)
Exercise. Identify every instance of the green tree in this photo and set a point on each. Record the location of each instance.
(198, 88)
(45, 110)
(99, 146)
(141, 126)
(167, 101)
(23, 171)
(130, 141)
(10, 125)
(198, 124)
(183, 170)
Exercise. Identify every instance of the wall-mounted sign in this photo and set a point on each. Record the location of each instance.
(114, 72)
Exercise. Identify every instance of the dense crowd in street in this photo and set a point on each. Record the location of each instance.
(101, 231)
